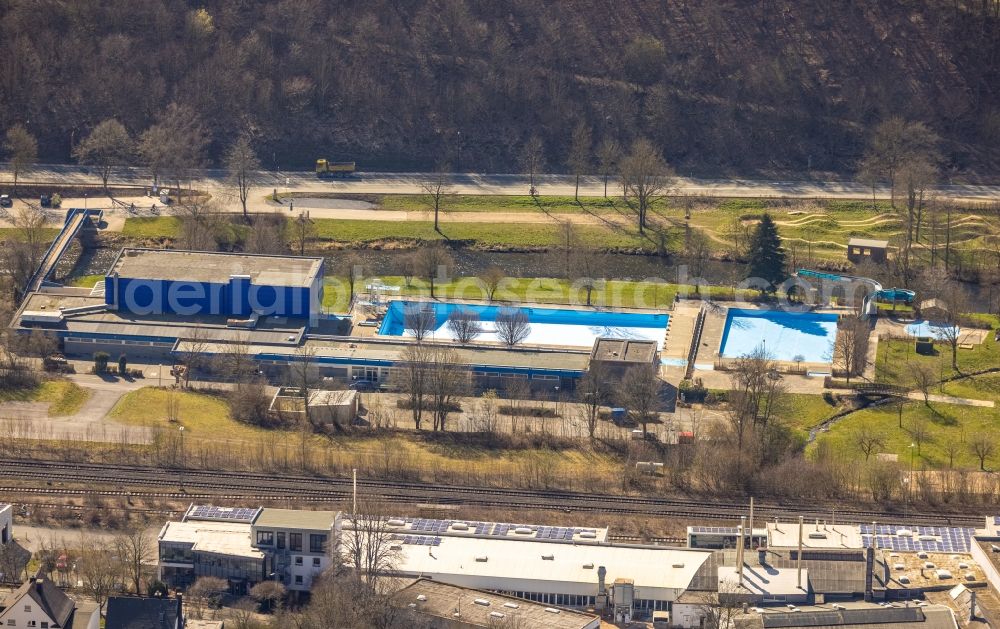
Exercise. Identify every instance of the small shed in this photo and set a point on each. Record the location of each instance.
(617, 355)
(933, 310)
(867, 250)
(330, 407)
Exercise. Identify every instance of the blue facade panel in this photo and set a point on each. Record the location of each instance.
(239, 297)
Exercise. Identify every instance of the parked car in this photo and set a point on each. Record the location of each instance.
(5, 200)
(365, 385)
(45, 200)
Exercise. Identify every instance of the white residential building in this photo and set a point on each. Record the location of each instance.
(38, 604)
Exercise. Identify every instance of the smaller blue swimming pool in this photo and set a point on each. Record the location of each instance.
(788, 336)
(548, 326)
(937, 331)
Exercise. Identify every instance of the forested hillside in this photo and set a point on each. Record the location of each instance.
(724, 86)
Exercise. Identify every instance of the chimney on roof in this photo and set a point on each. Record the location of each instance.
(798, 558)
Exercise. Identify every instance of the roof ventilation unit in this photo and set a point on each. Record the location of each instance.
(482, 601)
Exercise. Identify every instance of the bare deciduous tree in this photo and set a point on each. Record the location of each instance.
(303, 231)
(464, 325)
(608, 155)
(23, 254)
(242, 164)
(413, 371)
(957, 302)
(432, 262)
(851, 345)
(108, 146)
(100, 571)
(367, 542)
(206, 592)
(268, 594)
(175, 144)
(446, 381)
(594, 391)
(920, 432)
(983, 446)
(512, 326)
(134, 548)
(579, 158)
(645, 177)
(22, 150)
(199, 224)
(486, 416)
(304, 375)
(923, 376)
(436, 192)
(194, 352)
(419, 320)
(532, 159)
(640, 394)
(491, 278)
(868, 440)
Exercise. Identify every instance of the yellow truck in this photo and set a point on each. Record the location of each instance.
(326, 169)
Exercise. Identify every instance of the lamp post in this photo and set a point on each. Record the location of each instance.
(909, 483)
(181, 429)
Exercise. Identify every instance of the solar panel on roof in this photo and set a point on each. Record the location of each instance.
(210, 512)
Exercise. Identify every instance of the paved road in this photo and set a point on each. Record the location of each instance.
(30, 420)
(471, 183)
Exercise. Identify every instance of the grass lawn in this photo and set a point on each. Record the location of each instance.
(491, 234)
(508, 203)
(84, 281)
(64, 397)
(807, 411)
(203, 416)
(152, 227)
(944, 424)
(207, 421)
(895, 356)
(612, 293)
(813, 230)
(48, 234)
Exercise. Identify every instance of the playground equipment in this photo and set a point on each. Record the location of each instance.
(876, 294)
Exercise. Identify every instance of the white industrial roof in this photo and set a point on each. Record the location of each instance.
(216, 267)
(510, 565)
(786, 535)
(221, 538)
(761, 581)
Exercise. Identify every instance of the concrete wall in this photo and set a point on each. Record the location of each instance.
(981, 558)
(687, 615)
(6, 523)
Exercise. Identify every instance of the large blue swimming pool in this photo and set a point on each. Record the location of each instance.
(791, 336)
(549, 326)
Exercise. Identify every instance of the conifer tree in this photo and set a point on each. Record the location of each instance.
(767, 257)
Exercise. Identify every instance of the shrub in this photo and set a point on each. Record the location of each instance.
(530, 411)
(693, 392)
(101, 362)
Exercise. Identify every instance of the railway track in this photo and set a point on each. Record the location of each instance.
(197, 484)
